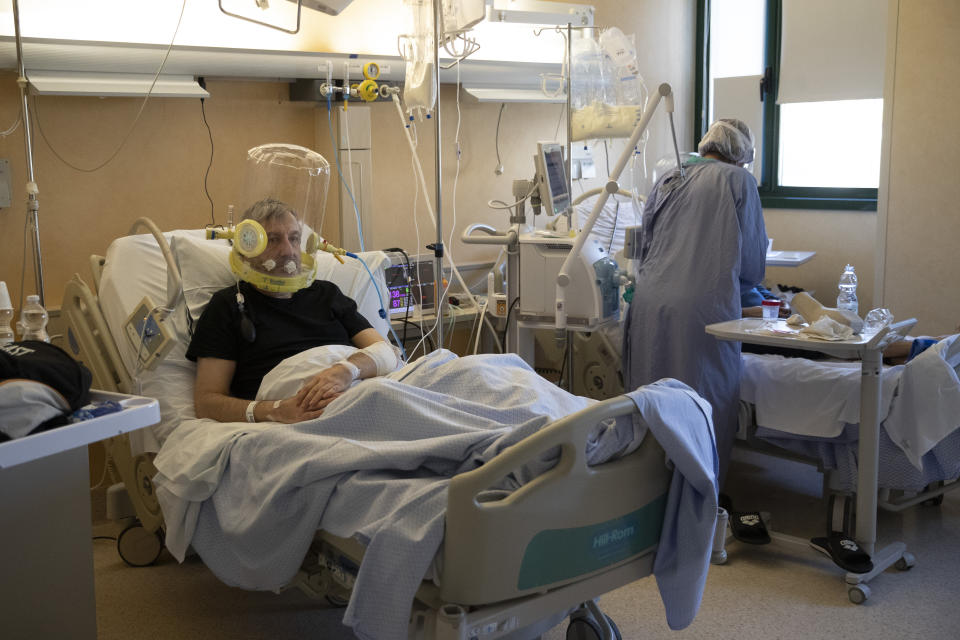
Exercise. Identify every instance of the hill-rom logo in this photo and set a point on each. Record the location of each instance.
(613, 535)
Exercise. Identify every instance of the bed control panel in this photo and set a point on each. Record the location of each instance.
(150, 337)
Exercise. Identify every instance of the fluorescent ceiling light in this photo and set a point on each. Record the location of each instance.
(540, 12)
(512, 94)
(79, 83)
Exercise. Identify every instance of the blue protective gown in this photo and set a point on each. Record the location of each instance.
(703, 244)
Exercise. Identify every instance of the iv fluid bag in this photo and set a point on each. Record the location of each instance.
(417, 48)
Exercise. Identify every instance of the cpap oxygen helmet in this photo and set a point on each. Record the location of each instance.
(285, 191)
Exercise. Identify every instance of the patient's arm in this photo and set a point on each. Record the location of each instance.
(326, 386)
(212, 399)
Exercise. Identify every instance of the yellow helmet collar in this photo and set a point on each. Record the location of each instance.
(275, 283)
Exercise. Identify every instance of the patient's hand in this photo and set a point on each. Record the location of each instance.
(289, 411)
(324, 388)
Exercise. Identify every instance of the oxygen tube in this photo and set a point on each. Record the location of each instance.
(336, 157)
(381, 312)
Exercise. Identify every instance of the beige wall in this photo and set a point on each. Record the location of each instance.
(159, 172)
(838, 237)
(921, 270)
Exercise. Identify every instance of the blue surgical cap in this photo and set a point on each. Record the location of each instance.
(730, 138)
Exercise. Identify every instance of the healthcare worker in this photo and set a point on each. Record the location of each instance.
(703, 244)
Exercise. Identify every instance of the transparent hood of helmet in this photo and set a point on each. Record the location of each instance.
(284, 192)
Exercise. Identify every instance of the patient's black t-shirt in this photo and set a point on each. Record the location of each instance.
(316, 315)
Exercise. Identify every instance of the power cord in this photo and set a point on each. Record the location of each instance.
(143, 104)
(206, 190)
(500, 169)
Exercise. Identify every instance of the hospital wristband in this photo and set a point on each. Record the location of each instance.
(251, 416)
(352, 368)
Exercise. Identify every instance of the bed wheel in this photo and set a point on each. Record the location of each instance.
(139, 547)
(936, 501)
(584, 627)
(858, 594)
(905, 562)
(335, 601)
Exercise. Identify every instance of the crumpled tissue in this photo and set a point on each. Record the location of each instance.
(826, 328)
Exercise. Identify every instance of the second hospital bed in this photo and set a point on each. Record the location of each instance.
(513, 560)
(810, 409)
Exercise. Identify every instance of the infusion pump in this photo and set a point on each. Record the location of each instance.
(592, 298)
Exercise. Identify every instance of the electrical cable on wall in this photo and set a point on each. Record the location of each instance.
(500, 169)
(126, 137)
(13, 127)
(206, 175)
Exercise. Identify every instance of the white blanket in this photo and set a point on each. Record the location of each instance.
(919, 401)
(375, 467)
(808, 397)
(927, 407)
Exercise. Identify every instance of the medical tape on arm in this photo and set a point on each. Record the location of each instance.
(383, 355)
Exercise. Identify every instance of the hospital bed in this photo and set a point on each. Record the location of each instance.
(510, 566)
(825, 431)
(868, 411)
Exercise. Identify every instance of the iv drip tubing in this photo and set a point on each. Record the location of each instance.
(430, 210)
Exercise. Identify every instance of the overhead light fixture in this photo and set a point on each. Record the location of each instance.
(512, 94)
(540, 12)
(81, 83)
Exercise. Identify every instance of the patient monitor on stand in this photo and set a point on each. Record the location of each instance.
(594, 275)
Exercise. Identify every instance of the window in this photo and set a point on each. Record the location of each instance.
(817, 123)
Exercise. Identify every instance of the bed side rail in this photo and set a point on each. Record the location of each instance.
(89, 340)
(571, 522)
(96, 268)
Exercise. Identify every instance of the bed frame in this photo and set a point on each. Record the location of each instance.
(512, 568)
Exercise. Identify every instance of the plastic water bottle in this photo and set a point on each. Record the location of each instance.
(6, 315)
(33, 320)
(848, 290)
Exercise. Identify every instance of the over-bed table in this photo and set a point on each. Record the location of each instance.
(869, 349)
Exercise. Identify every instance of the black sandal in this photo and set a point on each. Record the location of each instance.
(844, 551)
(746, 526)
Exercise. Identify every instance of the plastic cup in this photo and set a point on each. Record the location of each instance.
(771, 309)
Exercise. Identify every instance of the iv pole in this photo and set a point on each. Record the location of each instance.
(438, 213)
(33, 204)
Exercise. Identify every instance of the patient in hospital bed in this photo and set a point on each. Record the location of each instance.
(276, 312)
